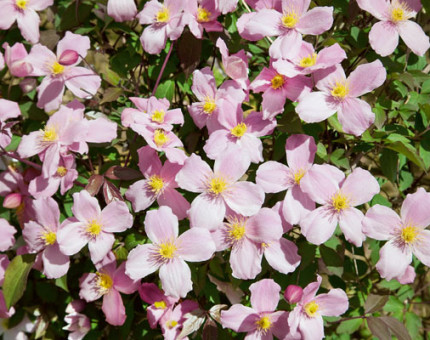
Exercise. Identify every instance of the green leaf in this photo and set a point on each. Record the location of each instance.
(389, 160)
(15, 279)
(111, 94)
(409, 151)
(349, 326)
(166, 90)
(62, 283)
(413, 324)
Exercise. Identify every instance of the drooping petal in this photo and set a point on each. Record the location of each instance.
(113, 308)
(9, 14)
(8, 109)
(153, 39)
(190, 245)
(282, 256)
(50, 93)
(414, 37)
(393, 260)
(175, 277)
(140, 262)
(319, 225)
(121, 10)
(416, 209)
(6, 232)
(384, 38)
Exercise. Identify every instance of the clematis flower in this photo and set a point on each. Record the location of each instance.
(220, 191)
(61, 71)
(239, 131)
(4, 312)
(7, 239)
(1, 61)
(159, 184)
(8, 110)
(277, 88)
(159, 302)
(24, 13)
(165, 21)
(174, 318)
(168, 252)
(121, 10)
(226, 6)
(40, 234)
(289, 25)
(338, 93)
(260, 321)
(202, 15)
(306, 318)
(326, 185)
(16, 60)
(93, 226)
(109, 281)
(405, 235)
(394, 18)
(78, 324)
(17, 332)
(275, 177)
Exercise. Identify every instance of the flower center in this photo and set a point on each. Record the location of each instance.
(158, 116)
(61, 171)
(264, 324)
(290, 19)
(236, 229)
(209, 106)
(160, 304)
(339, 201)
(203, 15)
(160, 138)
(239, 130)
(171, 323)
(21, 4)
(104, 281)
(340, 90)
(57, 68)
(49, 134)
(277, 81)
(163, 15)
(94, 228)
(298, 175)
(397, 14)
(311, 309)
(156, 184)
(49, 238)
(167, 250)
(308, 61)
(217, 185)
(409, 234)
(400, 11)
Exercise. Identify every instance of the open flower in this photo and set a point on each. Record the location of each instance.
(406, 235)
(202, 15)
(168, 252)
(7, 239)
(8, 110)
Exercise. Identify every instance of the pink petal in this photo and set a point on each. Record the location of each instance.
(282, 256)
(8, 109)
(161, 225)
(320, 184)
(330, 56)
(253, 147)
(355, 116)
(206, 212)
(312, 328)
(75, 42)
(264, 295)
(153, 39)
(175, 201)
(264, 227)
(378, 8)
(355, 189)
(122, 282)
(246, 198)
(113, 308)
(273, 102)
(393, 261)
(69, 237)
(116, 217)
(100, 246)
(6, 231)
(416, 209)
(264, 22)
(9, 14)
(194, 174)
(232, 164)
(121, 10)
(375, 74)
(384, 38)
(273, 177)
(414, 37)
(245, 260)
(325, 79)
(82, 82)
(204, 84)
(190, 242)
(284, 44)
(31, 234)
(301, 151)
(85, 207)
(316, 107)
(140, 262)
(28, 23)
(296, 205)
(311, 289)
(140, 196)
(175, 277)
(100, 130)
(47, 212)
(319, 225)
(87, 291)
(30, 145)
(50, 93)
(239, 318)
(55, 263)
(334, 303)
(380, 222)
(350, 223)
(421, 247)
(316, 21)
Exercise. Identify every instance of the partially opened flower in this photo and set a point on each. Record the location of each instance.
(394, 18)
(16, 60)
(326, 185)
(202, 15)
(261, 321)
(306, 318)
(172, 321)
(168, 252)
(8, 110)
(405, 235)
(226, 6)
(78, 324)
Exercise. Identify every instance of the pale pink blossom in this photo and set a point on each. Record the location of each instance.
(261, 321)
(159, 184)
(220, 190)
(78, 324)
(24, 13)
(172, 321)
(168, 252)
(306, 318)
(405, 235)
(109, 281)
(7, 239)
(202, 15)
(394, 18)
(93, 226)
(4, 312)
(16, 60)
(121, 10)
(340, 94)
(275, 177)
(226, 6)
(338, 197)
(8, 110)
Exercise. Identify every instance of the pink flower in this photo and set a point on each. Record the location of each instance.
(406, 235)
(109, 281)
(239, 131)
(172, 321)
(306, 318)
(259, 321)
(220, 189)
(326, 185)
(77, 324)
(24, 12)
(4, 312)
(202, 15)
(40, 234)
(277, 88)
(168, 252)
(16, 60)
(394, 18)
(7, 239)
(166, 21)
(1, 61)
(8, 110)
(93, 226)
(289, 25)
(159, 302)
(226, 6)
(338, 93)
(159, 184)
(82, 82)
(275, 177)
(121, 10)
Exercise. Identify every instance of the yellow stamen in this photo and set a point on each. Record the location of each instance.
(49, 238)
(290, 19)
(160, 305)
(409, 234)
(21, 4)
(239, 130)
(94, 228)
(163, 15)
(340, 201)
(340, 90)
(49, 134)
(104, 281)
(209, 106)
(203, 15)
(397, 14)
(61, 171)
(171, 323)
(167, 250)
(158, 116)
(156, 184)
(236, 231)
(217, 185)
(160, 138)
(57, 68)
(311, 309)
(298, 175)
(277, 81)
(264, 324)
(308, 61)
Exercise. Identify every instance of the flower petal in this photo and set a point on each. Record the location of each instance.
(175, 277)
(190, 245)
(264, 295)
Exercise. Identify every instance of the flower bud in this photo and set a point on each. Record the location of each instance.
(12, 200)
(28, 84)
(293, 294)
(68, 57)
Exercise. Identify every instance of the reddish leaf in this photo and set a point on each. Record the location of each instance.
(189, 51)
(122, 173)
(378, 328)
(95, 182)
(111, 192)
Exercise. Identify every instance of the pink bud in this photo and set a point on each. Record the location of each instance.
(12, 201)
(68, 57)
(293, 294)
(28, 84)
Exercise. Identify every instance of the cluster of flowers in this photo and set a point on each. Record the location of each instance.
(228, 211)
